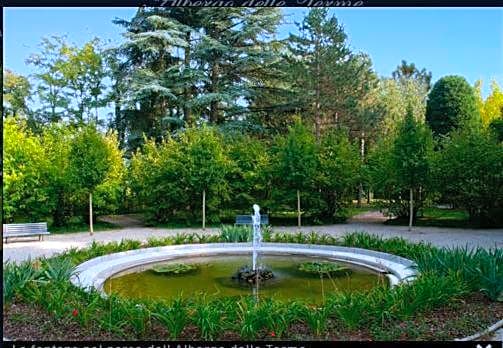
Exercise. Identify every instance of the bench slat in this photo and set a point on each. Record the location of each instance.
(24, 234)
(25, 230)
(247, 220)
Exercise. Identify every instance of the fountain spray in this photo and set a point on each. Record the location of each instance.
(257, 236)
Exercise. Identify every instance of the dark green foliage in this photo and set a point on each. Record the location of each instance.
(401, 164)
(209, 318)
(296, 160)
(249, 175)
(316, 318)
(329, 80)
(411, 151)
(56, 270)
(16, 94)
(409, 71)
(477, 268)
(451, 101)
(411, 157)
(168, 180)
(338, 173)
(396, 245)
(216, 66)
(469, 173)
(295, 164)
(496, 126)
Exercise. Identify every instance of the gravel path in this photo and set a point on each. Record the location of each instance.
(24, 248)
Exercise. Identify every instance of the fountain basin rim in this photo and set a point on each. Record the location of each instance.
(93, 273)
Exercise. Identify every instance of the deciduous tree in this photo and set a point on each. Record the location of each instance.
(89, 163)
(411, 157)
(469, 172)
(296, 162)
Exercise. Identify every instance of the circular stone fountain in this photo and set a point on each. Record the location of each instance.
(96, 272)
(130, 273)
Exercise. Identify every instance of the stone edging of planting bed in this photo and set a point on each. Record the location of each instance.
(490, 330)
(93, 273)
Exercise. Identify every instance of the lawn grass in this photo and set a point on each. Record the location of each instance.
(276, 218)
(437, 217)
(83, 227)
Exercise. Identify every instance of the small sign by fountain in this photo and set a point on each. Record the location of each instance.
(257, 273)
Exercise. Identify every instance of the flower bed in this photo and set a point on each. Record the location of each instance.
(454, 295)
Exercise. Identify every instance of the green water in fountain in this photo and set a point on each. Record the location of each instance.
(214, 273)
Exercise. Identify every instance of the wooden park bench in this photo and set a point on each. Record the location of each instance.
(247, 220)
(25, 230)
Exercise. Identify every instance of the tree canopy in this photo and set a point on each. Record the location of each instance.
(451, 101)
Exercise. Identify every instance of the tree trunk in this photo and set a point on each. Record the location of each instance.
(119, 124)
(411, 209)
(204, 210)
(298, 208)
(96, 108)
(317, 117)
(362, 154)
(91, 231)
(214, 116)
(186, 92)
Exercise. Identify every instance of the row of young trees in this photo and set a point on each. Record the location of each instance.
(201, 172)
(232, 171)
(56, 173)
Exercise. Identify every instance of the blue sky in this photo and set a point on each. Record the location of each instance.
(467, 42)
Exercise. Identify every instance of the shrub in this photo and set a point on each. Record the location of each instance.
(469, 173)
(24, 180)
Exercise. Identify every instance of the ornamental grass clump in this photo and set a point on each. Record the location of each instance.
(17, 277)
(250, 321)
(316, 318)
(235, 234)
(174, 316)
(480, 269)
(208, 317)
